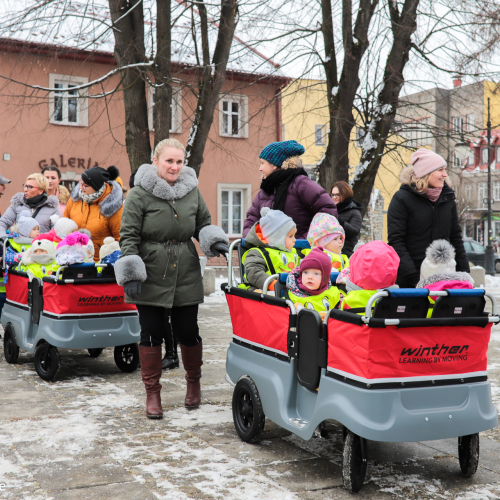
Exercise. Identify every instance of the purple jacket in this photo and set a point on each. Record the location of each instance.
(304, 200)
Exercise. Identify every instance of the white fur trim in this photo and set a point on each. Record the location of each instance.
(130, 268)
(210, 235)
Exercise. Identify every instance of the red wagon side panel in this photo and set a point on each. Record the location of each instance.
(72, 299)
(259, 323)
(392, 354)
(16, 289)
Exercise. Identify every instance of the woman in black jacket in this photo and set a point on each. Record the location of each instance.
(423, 210)
(349, 214)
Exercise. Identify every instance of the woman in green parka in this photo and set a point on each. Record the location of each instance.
(160, 268)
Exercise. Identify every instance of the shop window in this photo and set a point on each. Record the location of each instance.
(232, 202)
(233, 116)
(68, 103)
(175, 110)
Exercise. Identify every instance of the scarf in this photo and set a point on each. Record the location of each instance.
(36, 200)
(43, 258)
(90, 198)
(433, 194)
(341, 205)
(277, 183)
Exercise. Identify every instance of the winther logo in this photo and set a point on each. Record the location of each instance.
(436, 354)
(93, 300)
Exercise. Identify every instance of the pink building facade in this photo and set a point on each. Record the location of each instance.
(76, 129)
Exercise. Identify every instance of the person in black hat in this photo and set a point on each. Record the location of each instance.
(96, 204)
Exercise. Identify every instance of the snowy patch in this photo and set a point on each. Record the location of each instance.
(204, 415)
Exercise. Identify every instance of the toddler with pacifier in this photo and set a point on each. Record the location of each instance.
(271, 248)
(39, 259)
(438, 270)
(325, 231)
(309, 285)
(373, 267)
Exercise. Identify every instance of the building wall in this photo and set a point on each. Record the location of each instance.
(31, 141)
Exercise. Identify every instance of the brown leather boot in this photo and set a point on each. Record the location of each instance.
(151, 373)
(192, 361)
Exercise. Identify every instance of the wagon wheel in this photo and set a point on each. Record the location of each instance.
(95, 353)
(248, 414)
(10, 348)
(46, 361)
(468, 454)
(127, 357)
(354, 462)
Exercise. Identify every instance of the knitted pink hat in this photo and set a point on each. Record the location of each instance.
(323, 228)
(74, 239)
(425, 161)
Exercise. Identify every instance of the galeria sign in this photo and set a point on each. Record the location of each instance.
(73, 162)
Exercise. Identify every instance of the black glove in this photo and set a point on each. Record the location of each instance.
(220, 248)
(132, 289)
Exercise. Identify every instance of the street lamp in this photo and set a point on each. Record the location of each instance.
(490, 252)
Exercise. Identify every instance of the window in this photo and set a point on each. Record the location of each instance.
(417, 133)
(319, 135)
(482, 193)
(476, 247)
(467, 246)
(233, 116)
(360, 134)
(67, 103)
(484, 155)
(468, 191)
(233, 201)
(458, 125)
(175, 108)
(496, 190)
(471, 158)
(470, 123)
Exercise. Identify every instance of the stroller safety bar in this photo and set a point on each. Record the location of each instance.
(58, 272)
(423, 292)
(230, 277)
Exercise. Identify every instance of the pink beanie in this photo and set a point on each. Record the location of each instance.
(425, 161)
(317, 259)
(74, 239)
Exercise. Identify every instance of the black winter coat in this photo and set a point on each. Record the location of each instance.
(350, 219)
(414, 222)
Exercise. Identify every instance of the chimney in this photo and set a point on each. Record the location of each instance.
(457, 81)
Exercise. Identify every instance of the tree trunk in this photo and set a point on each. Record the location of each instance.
(163, 72)
(403, 26)
(129, 49)
(211, 80)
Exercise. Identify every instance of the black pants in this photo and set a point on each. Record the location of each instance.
(155, 324)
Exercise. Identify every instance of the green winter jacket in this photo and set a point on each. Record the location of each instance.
(158, 223)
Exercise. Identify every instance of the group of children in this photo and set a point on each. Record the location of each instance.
(64, 245)
(372, 267)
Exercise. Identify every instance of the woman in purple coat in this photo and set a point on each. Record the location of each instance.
(285, 186)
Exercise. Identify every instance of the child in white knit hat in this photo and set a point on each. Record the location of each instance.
(271, 248)
(38, 260)
(110, 251)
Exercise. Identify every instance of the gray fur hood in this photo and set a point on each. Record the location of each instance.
(18, 200)
(110, 204)
(147, 177)
(434, 278)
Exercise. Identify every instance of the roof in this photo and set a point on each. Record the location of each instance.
(70, 27)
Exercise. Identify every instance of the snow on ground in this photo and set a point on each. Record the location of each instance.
(218, 297)
(493, 284)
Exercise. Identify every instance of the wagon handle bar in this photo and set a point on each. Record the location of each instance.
(440, 293)
(230, 263)
(4, 244)
(268, 282)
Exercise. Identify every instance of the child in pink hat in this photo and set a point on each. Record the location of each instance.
(325, 231)
(72, 249)
(309, 284)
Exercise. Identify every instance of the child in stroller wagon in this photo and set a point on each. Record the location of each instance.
(309, 285)
(271, 242)
(38, 260)
(374, 266)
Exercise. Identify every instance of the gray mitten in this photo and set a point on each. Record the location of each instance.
(133, 289)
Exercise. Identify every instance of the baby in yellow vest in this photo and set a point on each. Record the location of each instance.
(39, 259)
(270, 242)
(325, 231)
(374, 266)
(309, 285)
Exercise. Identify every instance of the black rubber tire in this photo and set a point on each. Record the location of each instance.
(10, 348)
(47, 361)
(95, 353)
(468, 454)
(353, 463)
(248, 414)
(127, 357)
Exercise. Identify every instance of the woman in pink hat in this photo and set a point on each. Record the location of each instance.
(423, 210)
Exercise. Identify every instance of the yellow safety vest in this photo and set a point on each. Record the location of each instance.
(280, 261)
(339, 262)
(357, 299)
(323, 302)
(19, 247)
(40, 270)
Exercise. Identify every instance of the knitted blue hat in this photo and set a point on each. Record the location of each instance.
(277, 152)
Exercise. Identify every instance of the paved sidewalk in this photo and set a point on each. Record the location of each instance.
(85, 436)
